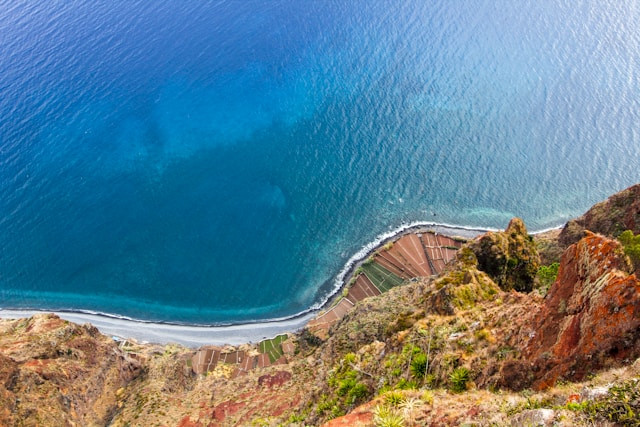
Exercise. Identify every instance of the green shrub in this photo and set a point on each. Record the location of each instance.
(336, 412)
(296, 418)
(349, 358)
(345, 386)
(631, 246)
(324, 404)
(622, 404)
(383, 416)
(459, 379)
(419, 365)
(546, 275)
(430, 380)
(427, 397)
(406, 385)
(394, 398)
(358, 392)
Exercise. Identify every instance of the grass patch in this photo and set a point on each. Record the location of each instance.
(621, 405)
(631, 246)
(459, 379)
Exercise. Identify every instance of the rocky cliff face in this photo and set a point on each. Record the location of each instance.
(590, 319)
(479, 337)
(611, 217)
(53, 372)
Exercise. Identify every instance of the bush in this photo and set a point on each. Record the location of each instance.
(419, 365)
(349, 358)
(546, 275)
(406, 385)
(622, 404)
(358, 392)
(345, 386)
(631, 245)
(459, 379)
(384, 416)
(427, 397)
(394, 398)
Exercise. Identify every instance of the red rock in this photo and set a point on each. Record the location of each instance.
(590, 317)
(53, 372)
(473, 411)
(223, 410)
(618, 213)
(186, 422)
(352, 419)
(573, 398)
(276, 379)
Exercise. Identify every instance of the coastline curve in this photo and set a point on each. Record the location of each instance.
(194, 335)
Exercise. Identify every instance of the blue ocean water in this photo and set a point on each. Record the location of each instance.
(220, 161)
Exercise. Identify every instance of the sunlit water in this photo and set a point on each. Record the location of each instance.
(221, 161)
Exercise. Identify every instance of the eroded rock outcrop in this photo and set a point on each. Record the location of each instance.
(611, 217)
(53, 372)
(509, 257)
(590, 318)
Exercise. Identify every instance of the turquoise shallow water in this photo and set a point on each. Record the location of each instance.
(221, 161)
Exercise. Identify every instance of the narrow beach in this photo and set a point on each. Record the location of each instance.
(195, 336)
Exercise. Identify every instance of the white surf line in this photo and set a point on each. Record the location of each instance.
(189, 336)
(198, 335)
(444, 228)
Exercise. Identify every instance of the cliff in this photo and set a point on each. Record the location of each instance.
(487, 333)
(53, 372)
(611, 217)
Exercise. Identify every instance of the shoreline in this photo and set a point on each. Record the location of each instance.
(194, 335)
(163, 333)
(345, 274)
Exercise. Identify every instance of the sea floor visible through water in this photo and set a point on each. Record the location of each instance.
(221, 162)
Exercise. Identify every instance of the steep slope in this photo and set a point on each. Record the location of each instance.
(482, 342)
(462, 332)
(53, 372)
(610, 217)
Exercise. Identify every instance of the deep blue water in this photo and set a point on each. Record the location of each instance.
(220, 161)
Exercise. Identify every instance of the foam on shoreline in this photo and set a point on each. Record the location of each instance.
(189, 336)
(360, 256)
(193, 335)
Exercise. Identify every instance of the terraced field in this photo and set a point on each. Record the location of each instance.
(272, 347)
(381, 278)
(419, 254)
(412, 255)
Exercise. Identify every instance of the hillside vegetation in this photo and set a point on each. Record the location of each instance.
(515, 330)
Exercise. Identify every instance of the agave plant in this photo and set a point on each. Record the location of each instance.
(409, 409)
(384, 416)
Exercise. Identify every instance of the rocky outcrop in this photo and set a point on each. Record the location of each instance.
(53, 372)
(590, 318)
(509, 257)
(611, 217)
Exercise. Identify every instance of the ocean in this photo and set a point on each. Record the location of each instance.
(219, 162)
